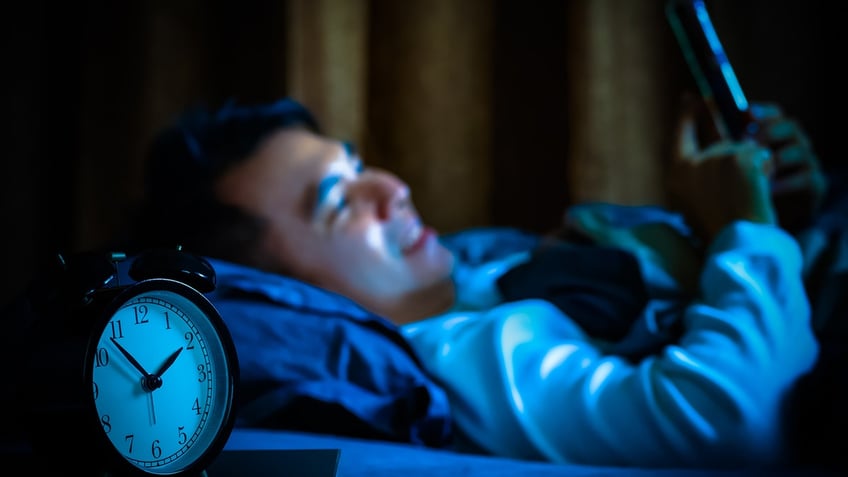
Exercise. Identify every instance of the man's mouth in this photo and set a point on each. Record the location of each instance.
(414, 238)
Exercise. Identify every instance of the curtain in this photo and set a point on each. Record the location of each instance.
(496, 112)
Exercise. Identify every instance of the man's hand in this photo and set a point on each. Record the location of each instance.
(719, 184)
(798, 185)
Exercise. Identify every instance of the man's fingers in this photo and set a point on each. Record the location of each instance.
(796, 156)
(765, 111)
(764, 160)
(800, 180)
(687, 146)
(750, 152)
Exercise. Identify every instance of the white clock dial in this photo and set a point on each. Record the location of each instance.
(160, 377)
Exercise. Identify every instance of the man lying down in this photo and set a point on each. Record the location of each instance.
(634, 336)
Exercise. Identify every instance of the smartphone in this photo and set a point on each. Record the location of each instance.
(710, 67)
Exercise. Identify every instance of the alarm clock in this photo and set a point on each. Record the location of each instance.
(129, 379)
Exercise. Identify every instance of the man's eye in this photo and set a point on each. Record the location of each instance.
(343, 202)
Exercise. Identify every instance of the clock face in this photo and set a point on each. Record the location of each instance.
(161, 378)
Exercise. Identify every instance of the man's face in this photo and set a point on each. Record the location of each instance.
(339, 225)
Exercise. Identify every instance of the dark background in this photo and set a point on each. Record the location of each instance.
(488, 108)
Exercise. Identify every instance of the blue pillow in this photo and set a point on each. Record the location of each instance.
(315, 361)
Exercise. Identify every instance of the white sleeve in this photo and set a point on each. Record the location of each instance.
(525, 382)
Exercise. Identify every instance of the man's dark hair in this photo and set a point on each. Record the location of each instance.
(184, 162)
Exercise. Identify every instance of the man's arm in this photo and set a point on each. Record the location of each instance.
(525, 382)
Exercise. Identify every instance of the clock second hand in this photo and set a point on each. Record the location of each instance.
(152, 409)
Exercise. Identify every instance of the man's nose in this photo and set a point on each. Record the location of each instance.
(387, 193)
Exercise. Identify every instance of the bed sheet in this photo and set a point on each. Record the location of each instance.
(371, 458)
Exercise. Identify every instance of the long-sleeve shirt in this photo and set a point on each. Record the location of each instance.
(524, 380)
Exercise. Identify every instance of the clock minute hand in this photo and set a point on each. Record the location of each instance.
(130, 358)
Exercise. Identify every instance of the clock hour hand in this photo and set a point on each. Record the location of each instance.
(168, 363)
(130, 358)
(153, 382)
